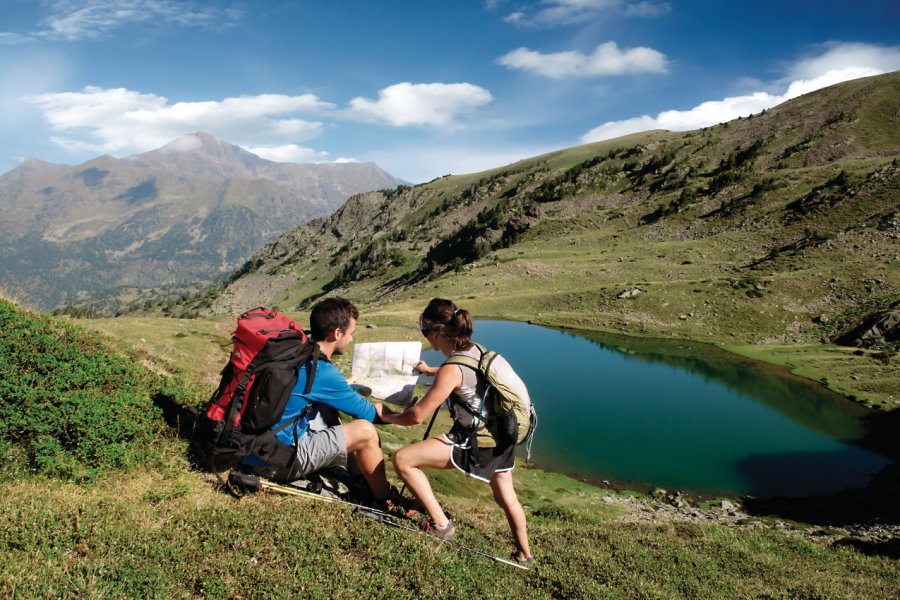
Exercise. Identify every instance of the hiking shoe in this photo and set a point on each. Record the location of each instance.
(446, 533)
(517, 557)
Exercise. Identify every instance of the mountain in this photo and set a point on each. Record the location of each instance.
(780, 228)
(192, 210)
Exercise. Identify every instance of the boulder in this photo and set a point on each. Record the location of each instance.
(630, 293)
(875, 331)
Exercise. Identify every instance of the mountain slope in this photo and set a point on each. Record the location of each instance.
(781, 228)
(192, 210)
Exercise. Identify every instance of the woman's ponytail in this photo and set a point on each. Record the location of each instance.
(453, 323)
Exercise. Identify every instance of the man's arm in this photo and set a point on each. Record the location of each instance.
(331, 388)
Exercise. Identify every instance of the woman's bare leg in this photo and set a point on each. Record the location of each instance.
(505, 495)
(408, 462)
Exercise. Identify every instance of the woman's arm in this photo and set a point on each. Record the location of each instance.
(448, 379)
(423, 368)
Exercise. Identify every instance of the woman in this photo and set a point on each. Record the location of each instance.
(449, 330)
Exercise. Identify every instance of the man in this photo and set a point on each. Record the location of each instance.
(329, 443)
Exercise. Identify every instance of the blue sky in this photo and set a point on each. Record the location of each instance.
(423, 88)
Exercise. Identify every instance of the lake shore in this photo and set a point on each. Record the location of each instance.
(201, 346)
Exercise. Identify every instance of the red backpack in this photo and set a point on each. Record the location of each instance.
(269, 349)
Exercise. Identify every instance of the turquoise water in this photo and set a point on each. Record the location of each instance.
(680, 416)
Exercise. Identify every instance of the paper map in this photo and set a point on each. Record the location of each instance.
(387, 369)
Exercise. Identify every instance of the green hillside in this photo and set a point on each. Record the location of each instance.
(99, 500)
(774, 235)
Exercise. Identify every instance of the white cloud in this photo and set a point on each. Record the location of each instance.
(553, 13)
(514, 17)
(423, 162)
(119, 120)
(80, 19)
(8, 38)
(606, 59)
(567, 12)
(289, 153)
(648, 10)
(71, 20)
(435, 104)
(841, 62)
(839, 56)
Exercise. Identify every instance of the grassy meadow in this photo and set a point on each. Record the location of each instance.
(156, 526)
(768, 237)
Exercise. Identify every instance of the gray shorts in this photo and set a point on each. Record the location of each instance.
(316, 450)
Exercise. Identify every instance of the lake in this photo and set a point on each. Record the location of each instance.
(680, 416)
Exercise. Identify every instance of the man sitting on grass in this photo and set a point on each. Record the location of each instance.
(320, 439)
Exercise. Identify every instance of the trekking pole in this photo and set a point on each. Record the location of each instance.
(251, 483)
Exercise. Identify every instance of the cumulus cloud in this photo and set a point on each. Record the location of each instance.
(425, 161)
(120, 120)
(434, 104)
(289, 153)
(840, 56)
(606, 59)
(840, 62)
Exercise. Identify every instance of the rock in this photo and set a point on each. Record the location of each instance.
(371, 326)
(630, 293)
(609, 500)
(875, 331)
(659, 493)
(727, 506)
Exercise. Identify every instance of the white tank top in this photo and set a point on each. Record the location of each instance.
(469, 392)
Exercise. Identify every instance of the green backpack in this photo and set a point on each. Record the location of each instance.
(511, 415)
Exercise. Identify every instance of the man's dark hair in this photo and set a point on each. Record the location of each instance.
(331, 314)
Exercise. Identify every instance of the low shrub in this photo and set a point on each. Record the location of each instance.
(70, 407)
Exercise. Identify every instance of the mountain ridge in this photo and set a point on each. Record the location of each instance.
(73, 233)
(779, 228)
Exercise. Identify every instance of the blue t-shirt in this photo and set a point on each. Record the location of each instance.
(329, 388)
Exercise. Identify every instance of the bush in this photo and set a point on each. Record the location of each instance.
(69, 406)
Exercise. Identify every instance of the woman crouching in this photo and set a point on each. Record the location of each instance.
(449, 330)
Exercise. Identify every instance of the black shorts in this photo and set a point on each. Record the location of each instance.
(480, 463)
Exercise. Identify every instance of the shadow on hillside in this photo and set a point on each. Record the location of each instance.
(873, 505)
(183, 420)
(882, 433)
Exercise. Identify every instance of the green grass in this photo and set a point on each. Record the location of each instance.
(168, 534)
(157, 528)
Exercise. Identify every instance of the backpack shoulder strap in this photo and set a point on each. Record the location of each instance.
(476, 365)
(314, 360)
(468, 361)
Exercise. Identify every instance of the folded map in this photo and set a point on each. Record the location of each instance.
(386, 368)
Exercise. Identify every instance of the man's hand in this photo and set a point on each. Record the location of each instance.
(381, 410)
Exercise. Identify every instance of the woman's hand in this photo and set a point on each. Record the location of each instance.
(424, 369)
